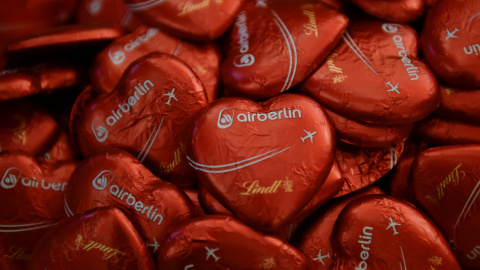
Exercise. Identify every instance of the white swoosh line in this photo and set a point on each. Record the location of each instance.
(470, 202)
(28, 229)
(359, 56)
(356, 46)
(239, 167)
(471, 18)
(178, 49)
(153, 140)
(286, 32)
(146, 143)
(23, 225)
(144, 5)
(403, 256)
(230, 164)
(67, 209)
(126, 17)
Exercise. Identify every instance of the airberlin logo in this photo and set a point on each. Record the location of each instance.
(244, 59)
(10, 178)
(103, 179)
(98, 126)
(227, 116)
(117, 53)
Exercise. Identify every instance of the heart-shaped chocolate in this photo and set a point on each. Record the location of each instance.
(110, 64)
(263, 161)
(106, 11)
(27, 127)
(379, 232)
(32, 195)
(440, 131)
(445, 183)
(393, 11)
(451, 42)
(222, 242)
(116, 178)
(459, 104)
(191, 19)
(364, 134)
(315, 237)
(148, 114)
(274, 45)
(374, 75)
(102, 238)
(363, 166)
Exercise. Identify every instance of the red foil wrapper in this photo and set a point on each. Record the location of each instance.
(101, 238)
(362, 167)
(204, 20)
(263, 161)
(374, 75)
(439, 131)
(32, 195)
(106, 11)
(110, 64)
(394, 11)
(193, 194)
(445, 185)
(459, 104)
(40, 79)
(148, 114)
(450, 42)
(274, 45)
(364, 134)
(20, 18)
(315, 240)
(26, 127)
(222, 242)
(61, 150)
(378, 232)
(116, 178)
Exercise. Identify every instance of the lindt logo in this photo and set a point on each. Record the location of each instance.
(227, 115)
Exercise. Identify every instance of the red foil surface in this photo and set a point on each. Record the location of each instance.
(203, 58)
(315, 240)
(40, 79)
(101, 238)
(374, 75)
(378, 232)
(27, 127)
(263, 161)
(274, 45)
(439, 131)
(364, 134)
(222, 242)
(116, 178)
(445, 185)
(106, 11)
(148, 114)
(451, 42)
(394, 11)
(459, 104)
(193, 194)
(61, 150)
(205, 20)
(362, 167)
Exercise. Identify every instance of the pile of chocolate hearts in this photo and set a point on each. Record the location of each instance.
(240, 134)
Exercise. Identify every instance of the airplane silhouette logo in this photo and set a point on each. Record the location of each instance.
(309, 136)
(451, 34)
(155, 245)
(170, 96)
(392, 224)
(320, 257)
(393, 88)
(211, 252)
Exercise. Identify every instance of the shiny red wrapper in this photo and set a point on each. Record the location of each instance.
(263, 161)
(205, 20)
(379, 232)
(341, 5)
(315, 240)
(40, 79)
(374, 75)
(116, 178)
(101, 238)
(110, 64)
(445, 184)
(32, 195)
(148, 114)
(193, 194)
(106, 11)
(67, 36)
(459, 104)
(21, 18)
(27, 127)
(364, 134)
(274, 45)
(61, 150)
(394, 11)
(222, 242)
(451, 42)
(362, 167)
(439, 131)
